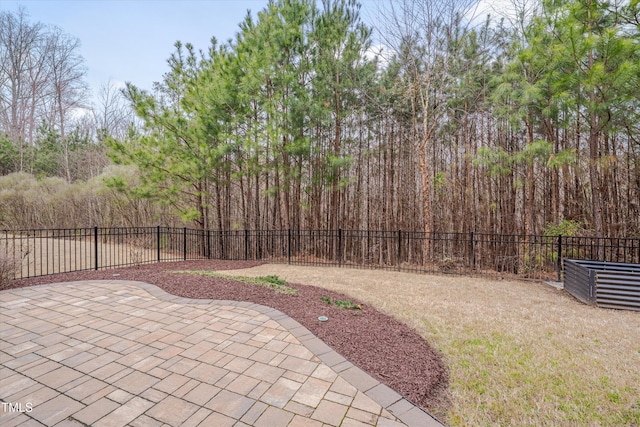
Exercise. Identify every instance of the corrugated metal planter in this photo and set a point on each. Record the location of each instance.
(604, 284)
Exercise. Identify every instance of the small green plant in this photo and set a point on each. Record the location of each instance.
(347, 305)
(271, 282)
(565, 228)
(273, 279)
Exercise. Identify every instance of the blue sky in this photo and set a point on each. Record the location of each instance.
(130, 40)
(127, 40)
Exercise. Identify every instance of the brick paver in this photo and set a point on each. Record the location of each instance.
(117, 353)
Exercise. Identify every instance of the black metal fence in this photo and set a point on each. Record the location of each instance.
(42, 252)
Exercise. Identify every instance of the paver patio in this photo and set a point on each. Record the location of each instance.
(116, 353)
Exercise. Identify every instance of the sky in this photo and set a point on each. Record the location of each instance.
(131, 40)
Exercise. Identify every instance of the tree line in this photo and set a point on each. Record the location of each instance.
(526, 126)
(49, 125)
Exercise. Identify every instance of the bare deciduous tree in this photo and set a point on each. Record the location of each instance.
(112, 114)
(42, 78)
(22, 74)
(426, 35)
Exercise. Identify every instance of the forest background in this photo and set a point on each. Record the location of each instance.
(526, 125)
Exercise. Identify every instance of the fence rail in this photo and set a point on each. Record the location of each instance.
(43, 252)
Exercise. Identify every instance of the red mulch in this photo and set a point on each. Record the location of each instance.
(387, 349)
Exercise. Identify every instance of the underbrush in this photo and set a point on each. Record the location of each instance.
(8, 267)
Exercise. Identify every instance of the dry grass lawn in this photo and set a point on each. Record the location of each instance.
(518, 353)
(47, 255)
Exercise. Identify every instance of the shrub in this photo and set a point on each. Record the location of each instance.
(565, 227)
(8, 268)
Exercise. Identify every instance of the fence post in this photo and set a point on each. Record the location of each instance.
(399, 248)
(158, 241)
(184, 241)
(559, 267)
(208, 244)
(472, 253)
(339, 247)
(95, 245)
(246, 244)
(289, 245)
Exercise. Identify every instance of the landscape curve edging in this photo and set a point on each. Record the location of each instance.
(383, 395)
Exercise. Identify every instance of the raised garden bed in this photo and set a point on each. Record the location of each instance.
(603, 284)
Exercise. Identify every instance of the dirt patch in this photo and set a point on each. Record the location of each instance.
(386, 348)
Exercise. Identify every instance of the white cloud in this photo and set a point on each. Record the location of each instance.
(510, 10)
(380, 51)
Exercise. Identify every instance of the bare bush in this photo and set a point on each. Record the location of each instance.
(8, 267)
(28, 202)
(139, 246)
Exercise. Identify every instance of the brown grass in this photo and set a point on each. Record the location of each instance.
(518, 353)
(47, 255)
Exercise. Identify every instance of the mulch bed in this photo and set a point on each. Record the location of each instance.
(387, 349)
